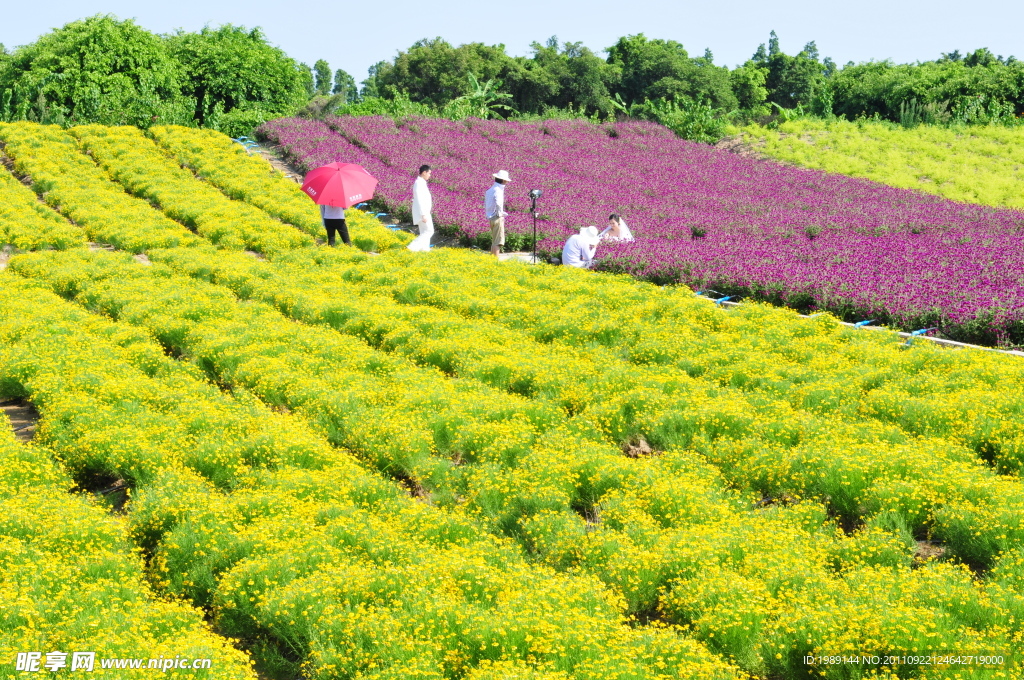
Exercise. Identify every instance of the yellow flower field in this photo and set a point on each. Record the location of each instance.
(406, 464)
(977, 165)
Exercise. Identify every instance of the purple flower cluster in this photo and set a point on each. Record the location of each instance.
(705, 217)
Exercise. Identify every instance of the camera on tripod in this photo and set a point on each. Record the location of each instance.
(536, 193)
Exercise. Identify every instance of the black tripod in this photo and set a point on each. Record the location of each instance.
(534, 195)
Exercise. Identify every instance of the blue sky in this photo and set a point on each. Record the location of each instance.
(353, 36)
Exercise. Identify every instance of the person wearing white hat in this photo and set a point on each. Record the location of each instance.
(494, 206)
(579, 249)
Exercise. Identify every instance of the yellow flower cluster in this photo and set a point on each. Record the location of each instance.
(370, 235)
(244, 177)
(739, 571)
(980, 164)
(75, 187)
(72, 581)
(148, 172)
(28, 225)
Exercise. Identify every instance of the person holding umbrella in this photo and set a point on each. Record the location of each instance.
(422, 203)
(334, 223)
(494, 206)
(335, 187)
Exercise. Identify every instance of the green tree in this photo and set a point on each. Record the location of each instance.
(662, 69)
(574, 77)
(98, 69)
(237, 68)
(981, 57)
(434, 72)
(345, 84)
(791, 81)
(532, 86)
(988, 92)
(307, 80)
(322, 73)
(370, 87)
(748, 84)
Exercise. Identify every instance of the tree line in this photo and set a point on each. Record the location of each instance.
(638, 72)
(104, 70)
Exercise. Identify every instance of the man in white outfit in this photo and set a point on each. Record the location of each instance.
(422, 204)
(579, 249)
(494, 207)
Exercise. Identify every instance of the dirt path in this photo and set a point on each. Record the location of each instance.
(23, 417)
(275, 156)
(740, 146)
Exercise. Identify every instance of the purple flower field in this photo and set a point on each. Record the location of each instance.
(702, 216)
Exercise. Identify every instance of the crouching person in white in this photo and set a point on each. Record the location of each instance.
(422, 204)
(580, 248)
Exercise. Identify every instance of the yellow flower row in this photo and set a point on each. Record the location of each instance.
(28, 225)
(73, 185)
(146, 171)
(370, 235)
(71, 581)
(244, 177)
(223, 163)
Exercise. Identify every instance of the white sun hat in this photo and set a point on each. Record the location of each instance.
(501, 175)
(590, 235)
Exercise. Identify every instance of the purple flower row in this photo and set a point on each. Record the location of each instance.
(705, 217)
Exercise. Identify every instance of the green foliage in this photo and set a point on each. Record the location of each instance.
(370, 87)
(238, 69)
(346, 85)
(482, 101)
(243, 122)
(96, 69)
(749, 86)
(976, 89)
(696, 121)
(662, 69)
(307, 80)
(399, 106)
(433, 72)
(790, 80)
(322, 73)
(575, 77)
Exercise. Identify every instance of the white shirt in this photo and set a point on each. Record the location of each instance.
(332, 212)
(494, 201)
(422, 201)
(577, 252)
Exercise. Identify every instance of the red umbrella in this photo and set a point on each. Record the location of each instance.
(339, 184)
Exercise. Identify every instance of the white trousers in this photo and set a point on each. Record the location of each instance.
(422, 242)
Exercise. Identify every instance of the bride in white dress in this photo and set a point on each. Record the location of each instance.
(616, 230)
